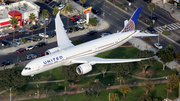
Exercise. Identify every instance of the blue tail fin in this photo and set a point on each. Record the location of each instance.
(131, 25)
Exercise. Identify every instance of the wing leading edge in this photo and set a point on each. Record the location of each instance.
(62, 38)
(96, 60)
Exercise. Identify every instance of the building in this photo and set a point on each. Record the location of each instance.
(20, 10)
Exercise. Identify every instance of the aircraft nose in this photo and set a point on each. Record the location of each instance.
(23, 73)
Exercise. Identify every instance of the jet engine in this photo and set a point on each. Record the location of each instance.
(83, 68)
(52, 50)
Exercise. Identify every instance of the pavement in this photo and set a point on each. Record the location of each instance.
(170, 8)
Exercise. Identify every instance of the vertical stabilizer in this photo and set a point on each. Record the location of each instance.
(131, 25)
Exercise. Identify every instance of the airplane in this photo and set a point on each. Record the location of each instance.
(66, 53)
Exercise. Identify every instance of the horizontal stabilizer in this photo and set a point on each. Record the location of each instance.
(96, 60)
(144, 35)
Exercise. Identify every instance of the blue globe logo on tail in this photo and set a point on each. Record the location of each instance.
(131, 25)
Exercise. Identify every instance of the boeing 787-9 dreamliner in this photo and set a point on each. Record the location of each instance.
(66, 53)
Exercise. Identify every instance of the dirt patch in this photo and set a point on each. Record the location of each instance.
(149, 72)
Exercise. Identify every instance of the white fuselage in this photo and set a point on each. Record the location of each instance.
(64, 57)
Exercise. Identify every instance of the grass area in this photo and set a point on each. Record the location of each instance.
(120, 52)
(137, 92)
(166, 32)
(55, 74)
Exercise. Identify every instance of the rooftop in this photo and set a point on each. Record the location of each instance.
(21, 7)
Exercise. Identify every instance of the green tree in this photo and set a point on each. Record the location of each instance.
(32, 18)
(93, 21)
(37, 87)
(51, 94)
(68, 8)
(165, 56)
(65, 96)
(82, 1)
(122, 68)
(12, 78)
(14, 23)
(103, 68)
(120, 79)
(177, 56)
(145, 63)
(55, 10)
(147, 85)
(124, 90)
(88, 94)
(98, 88)
(151, 7)
(77, 42)
(69, 73)
(173, 81)
(170, 48)
(113, 97)
(64, 84)
(45, 14)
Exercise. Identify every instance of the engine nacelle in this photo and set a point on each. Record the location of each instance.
(52, 50)
(83, 68)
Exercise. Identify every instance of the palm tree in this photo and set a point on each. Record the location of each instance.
(45, 14)
(55, 10)
(32, 18)
(151, 7)
(65, 84)
(82, 1)
(14, 23)
(120, 78)
(124, 89)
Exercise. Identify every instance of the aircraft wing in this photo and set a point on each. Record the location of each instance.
(144, 35)
(96, 60)
(62, 38)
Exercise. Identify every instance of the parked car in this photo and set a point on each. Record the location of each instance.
(158, 45)
(42, 54)
(81, 27)
(85, 5)
(34, 27)
(43, 22)
(31, 56)
(17, 41)
(40, 44)
(23, 30)
(75, 20)
(20, 50)
(30, 48)
(153, 18)
(52, 34)
(56, 4)
(105, 34)
(6, 42)
(95, 11)
(74, 27)
(151, 29)
(61, 6)
(92, 32)
(7, 62)
(81, 21)
(75, 16)
(148, 1)
(43, 35)
(130, 0)
(4, 34)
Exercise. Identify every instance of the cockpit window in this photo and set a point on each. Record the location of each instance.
(26, 68)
